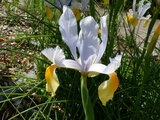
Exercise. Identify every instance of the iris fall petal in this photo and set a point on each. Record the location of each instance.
(107, 88)
(52, 80)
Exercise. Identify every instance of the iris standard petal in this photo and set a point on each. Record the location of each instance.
(145, 8)
(88, 39)
(52, 80)
(104, 37)
(68, 28)
(113, 65)
(56, 55)
(140, 6)
(134, 5)
(107, 88)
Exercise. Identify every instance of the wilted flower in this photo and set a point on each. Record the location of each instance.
(90, 49)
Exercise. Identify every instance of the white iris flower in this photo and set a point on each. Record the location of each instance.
(134, 15)
(90, 49)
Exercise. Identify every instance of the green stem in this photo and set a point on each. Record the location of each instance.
(87, 106)
(92, 9)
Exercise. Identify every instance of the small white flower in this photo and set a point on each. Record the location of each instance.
(134, 15)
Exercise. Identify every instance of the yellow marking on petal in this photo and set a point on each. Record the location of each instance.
(134, 21)
(145, 23)
(128, 18)
(49, 13)
(99, 31)
(106, 2)
(51, 79)
(107, 88)
(93, 74)
(153, 42)
(77, 14)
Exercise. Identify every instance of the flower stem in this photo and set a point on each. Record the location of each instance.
(87, 106)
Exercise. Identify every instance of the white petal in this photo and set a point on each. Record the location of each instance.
(145, 8)
(131, 12)
(72, 64)
(110, 68)
(56, 55)
(114, 64)
(104, 37)
(140, 6)
(89, 43)
(147, 17)
(68, 28)
(134, 5)
(97, 68)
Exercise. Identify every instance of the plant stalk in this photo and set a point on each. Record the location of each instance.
(87, 106)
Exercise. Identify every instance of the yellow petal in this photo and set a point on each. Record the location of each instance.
(106, 2)
(52, 80)
(49, 13)
(107, 88)
(77, 14)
